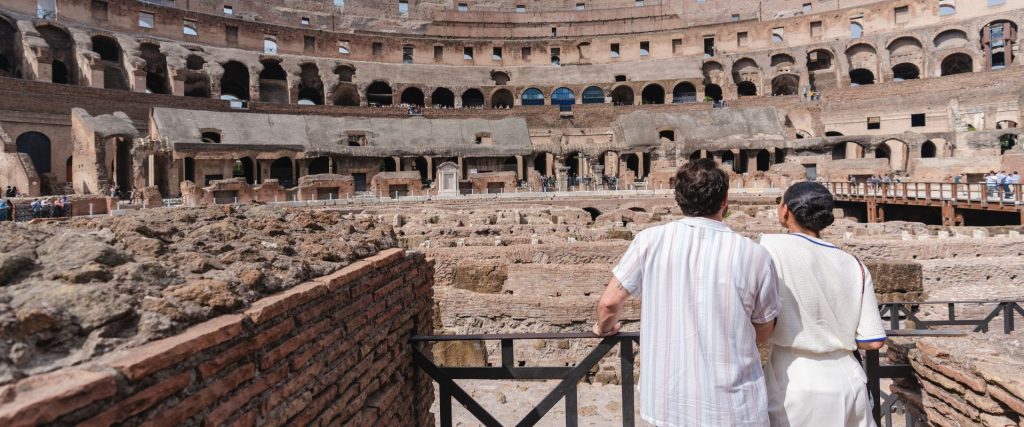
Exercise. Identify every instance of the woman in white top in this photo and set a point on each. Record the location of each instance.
(828, 311)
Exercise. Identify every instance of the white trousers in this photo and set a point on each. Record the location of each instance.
(813, 389)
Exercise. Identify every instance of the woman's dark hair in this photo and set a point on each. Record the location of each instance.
(701, 188)
(811, 205)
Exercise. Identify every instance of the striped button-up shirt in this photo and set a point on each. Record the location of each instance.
(703, 286)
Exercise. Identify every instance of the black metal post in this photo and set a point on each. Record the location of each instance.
(446, 407)
(1008, 317)
(626, 363)
(507, 354)
(871, 366)
(571, 414)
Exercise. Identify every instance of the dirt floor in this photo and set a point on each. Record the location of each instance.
(70, 291)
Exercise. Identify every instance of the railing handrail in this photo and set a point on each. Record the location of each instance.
(591, 335)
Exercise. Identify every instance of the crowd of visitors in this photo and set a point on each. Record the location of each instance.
(1001, 181)
(50, 207)
(814, 303)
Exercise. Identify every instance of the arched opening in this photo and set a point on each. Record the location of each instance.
(653, 94)
(110, 59)
(64, 68)
(764, 160)
(622, 95)
(235, 81)
(572, 160)
(442, 97)
(503, 98)
(957, 63)
(412, 96)
(746, 89)
(729, 160)
(379, 93)
(387, 164)
(59, 73)
(210, 137)
(928, 150)
(563, 96)
(500, 78)
(540, 163)
(712, 93)
(319, 165)
(684, 93)
(819, 60)
(1006, 124)
(311, 86)
(594, 213)
(533, 96)
(593, 95)
(510, 165)
(472, 98)
(273, 83)
(667, 135)
(1007, 142)
(197, 84)
(997, 39)
(421, 166)
(190, 170)
(882, 152)
(950, 39)
(905, 71)
(346, 94)
(861, 76)
(785, 84)
(839, 151)
(195, 62)
(780, 156)
(8, 61)
(69, 169)
(283, 171)
(121, 166)
(244, 168)
(156, 69)
(345, 72)
(833, 133)
(37, 146)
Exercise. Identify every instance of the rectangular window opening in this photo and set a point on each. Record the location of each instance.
(403, 7)
(807, 7)
(917, 120)
(229, 10)
(645, 48)
(816, 29)
(677, 46)
(709, 46)
(526, 53)
(467, 53)
(520, 8)
(407, 51)
(581, 6)
(735, 17)
(191, 28)
(777, 34)
(344, 47)
(99, 10)
(438, 53)
(615, 50)
(304, 20)
(463, 7)
(496, 53)
(309, 44)
(874, 123)
(377, 48)
(741, 38)
(145, 20)
(902, 14)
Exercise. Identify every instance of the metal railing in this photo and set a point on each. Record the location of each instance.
(903, 315)
(980, 193)
(883, 404)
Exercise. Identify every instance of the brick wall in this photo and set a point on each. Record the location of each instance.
(331, 351)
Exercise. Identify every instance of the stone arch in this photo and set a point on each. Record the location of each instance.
(928, 150)
(862, 56)
(906, 53)
(412, 96)
(157, 80)
(714, 74)
(345, 72)
(532, 96)
(283, 170)
(502, 98)
(953, 38)
(500, 78)
(235, 81)
(821, 69)
(442, 97)
(197, 83)
(273, 82)
(785, 84)
(319, 165)
(746, 70)
(997, 40)
(63, 65)
(593, 95)
(380, 93)
(245, 167)
(896, 151)
(653, 94)
(38, 147)
(109, 50)
(783, 63)
(713, 92)
(622, 95)
(956, 63)
(763, 160)
(684, 92)
(472, 98)
(346, 94)
(563, 96)
(746, 88)
(311, 86)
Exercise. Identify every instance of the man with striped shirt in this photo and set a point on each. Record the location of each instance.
(709, 295)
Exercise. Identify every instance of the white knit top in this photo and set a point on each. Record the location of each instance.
(828, 298)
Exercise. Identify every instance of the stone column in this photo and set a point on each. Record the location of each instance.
(563, 174)
(640, 164)
(430, 168)
(459, 172)
(519, 167)
(398, 163)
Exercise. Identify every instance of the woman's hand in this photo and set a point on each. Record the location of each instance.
(615, 329)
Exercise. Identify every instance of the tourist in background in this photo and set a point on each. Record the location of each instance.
(709, 294)
(5, 210)
(990, 183)
(828, 311)
(1011, 182)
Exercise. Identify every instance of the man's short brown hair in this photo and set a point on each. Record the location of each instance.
(701, 187)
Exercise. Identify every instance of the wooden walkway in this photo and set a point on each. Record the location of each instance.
(952, 199)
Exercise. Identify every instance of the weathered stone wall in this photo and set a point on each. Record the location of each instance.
(331, 350)
(974, 380)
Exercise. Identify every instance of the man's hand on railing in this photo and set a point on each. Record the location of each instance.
(615, 329)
